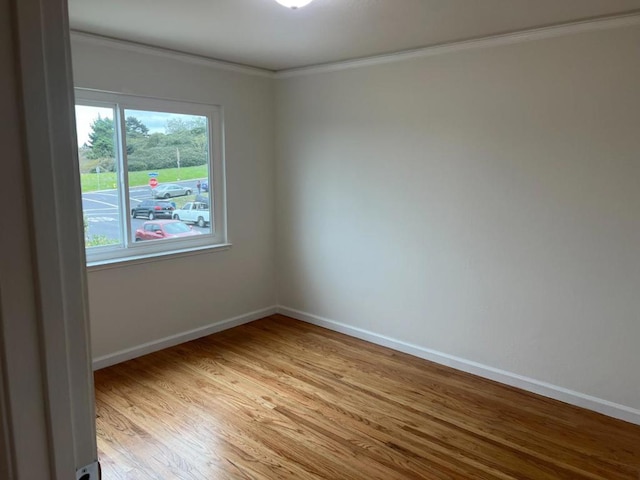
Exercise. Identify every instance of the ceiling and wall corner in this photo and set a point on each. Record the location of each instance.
(263, 34)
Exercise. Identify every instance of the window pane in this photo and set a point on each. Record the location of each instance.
(97, 163)
(168, 171)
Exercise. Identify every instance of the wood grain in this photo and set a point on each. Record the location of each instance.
(282, 399)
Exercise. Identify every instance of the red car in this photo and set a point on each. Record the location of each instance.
(159, 229)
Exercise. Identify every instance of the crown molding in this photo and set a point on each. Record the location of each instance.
(94, 39)
(606, 23)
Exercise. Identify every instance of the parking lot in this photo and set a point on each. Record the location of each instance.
(101, 211)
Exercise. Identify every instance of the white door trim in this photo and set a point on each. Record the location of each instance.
(44, 335)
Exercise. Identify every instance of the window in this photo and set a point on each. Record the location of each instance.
(152, 176)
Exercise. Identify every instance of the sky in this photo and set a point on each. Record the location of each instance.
(85, 116)
(155, 121)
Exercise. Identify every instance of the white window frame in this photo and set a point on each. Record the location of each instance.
(130, 250)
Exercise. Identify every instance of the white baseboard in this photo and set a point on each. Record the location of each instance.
(578, 399)
(154, 346)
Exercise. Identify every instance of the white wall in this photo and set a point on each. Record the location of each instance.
(484, 204)
(136, 304)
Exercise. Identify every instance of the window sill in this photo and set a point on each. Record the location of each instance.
(153, 257)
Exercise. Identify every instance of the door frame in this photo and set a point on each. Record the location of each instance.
(47, 411)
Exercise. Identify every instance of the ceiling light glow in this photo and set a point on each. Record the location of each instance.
(294, 3)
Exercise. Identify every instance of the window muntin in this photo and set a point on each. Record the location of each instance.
(176, 146)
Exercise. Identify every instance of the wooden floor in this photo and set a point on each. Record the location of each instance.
(279, 398)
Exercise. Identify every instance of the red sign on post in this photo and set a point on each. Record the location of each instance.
(153, 182)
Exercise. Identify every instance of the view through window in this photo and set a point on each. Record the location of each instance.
(167, 195)
(100, 198)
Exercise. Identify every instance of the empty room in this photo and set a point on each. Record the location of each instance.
(327, 239)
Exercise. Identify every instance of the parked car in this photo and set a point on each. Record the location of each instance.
(204, 186)
(193, 212)
(159, 229)
(152, 209)
(168, 190)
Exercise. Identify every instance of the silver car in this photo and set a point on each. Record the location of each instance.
(167, 190)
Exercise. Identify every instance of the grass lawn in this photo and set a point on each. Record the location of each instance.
(107, 180)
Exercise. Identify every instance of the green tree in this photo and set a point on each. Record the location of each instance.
(198, 133)
(181, 132)
(101, 139)
(176, 126)
(136, 128)
(137, 134)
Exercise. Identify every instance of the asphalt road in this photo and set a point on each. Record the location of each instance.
(100, 210)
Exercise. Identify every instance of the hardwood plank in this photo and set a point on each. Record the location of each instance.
(279, 398)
